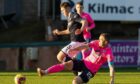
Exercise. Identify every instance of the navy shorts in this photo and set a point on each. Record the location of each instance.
(67, 59)
(85, 73)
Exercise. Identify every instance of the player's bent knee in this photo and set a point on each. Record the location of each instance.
(77, 80)
(61, 56)
(68, 65)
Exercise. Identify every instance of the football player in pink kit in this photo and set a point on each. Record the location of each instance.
(100, 54)
(91, 24)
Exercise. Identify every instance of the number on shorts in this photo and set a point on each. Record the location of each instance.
(89, 75)
(68, 47)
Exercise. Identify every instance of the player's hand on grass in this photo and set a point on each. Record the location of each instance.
(56, 32)
(111, 81)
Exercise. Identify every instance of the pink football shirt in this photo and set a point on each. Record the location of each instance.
(98, 56)
(91, 25)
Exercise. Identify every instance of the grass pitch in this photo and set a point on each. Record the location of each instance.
(66, 78)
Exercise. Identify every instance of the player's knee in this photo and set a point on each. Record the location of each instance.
(61, 56)
(77, 80)
(68, 65)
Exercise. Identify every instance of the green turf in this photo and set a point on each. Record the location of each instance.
(66, 78)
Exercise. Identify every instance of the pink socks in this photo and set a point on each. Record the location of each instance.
(55, 68)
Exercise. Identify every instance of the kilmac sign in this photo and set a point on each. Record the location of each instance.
(113, 10)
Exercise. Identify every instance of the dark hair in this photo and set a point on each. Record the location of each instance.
(65, 5)
(106, 35)
(79, 3)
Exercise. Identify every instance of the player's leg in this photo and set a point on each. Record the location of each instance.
(61, 56)
(56, 68)
(78, 57)
(81, 55)
(77, 80)
(85, 75)
(64, 54)
(83, 78)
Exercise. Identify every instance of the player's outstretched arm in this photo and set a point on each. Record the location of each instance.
(84, 24)
(111, 68)
(63, 32)
(79, 48)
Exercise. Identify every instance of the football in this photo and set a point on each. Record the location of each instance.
(20, 79)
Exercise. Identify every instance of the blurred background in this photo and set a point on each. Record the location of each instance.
(26, 26)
